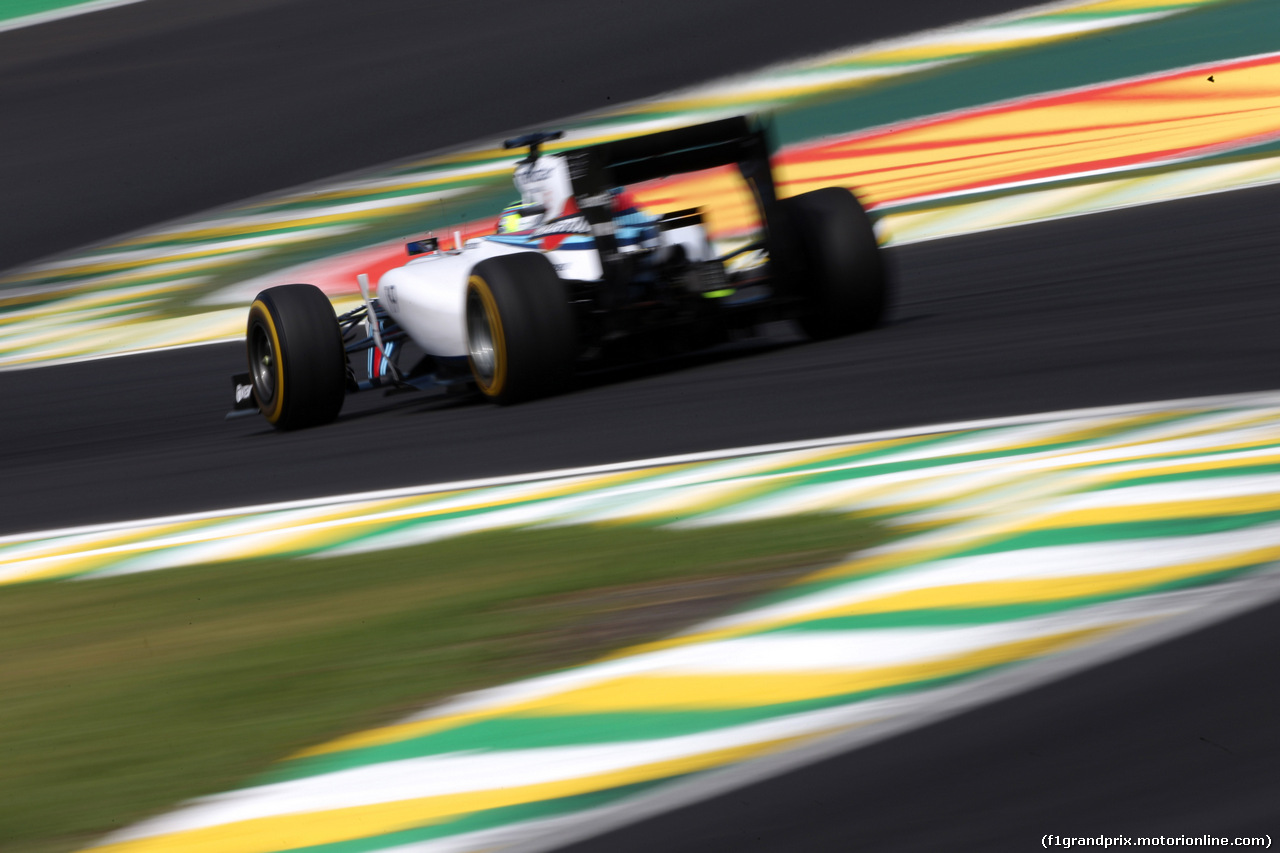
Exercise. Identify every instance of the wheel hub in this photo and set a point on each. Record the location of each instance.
(263, 359)
(479, 339)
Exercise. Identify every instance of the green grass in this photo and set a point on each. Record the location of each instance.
(120, 697)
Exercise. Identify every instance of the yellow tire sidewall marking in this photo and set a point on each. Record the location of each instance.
(498, 338)
(277, 404)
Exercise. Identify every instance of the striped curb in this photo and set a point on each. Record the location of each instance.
(888, 475)
(1023, 540)
(172, 286)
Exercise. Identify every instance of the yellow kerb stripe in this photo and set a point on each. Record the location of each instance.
(1136, 6)
(1202, 508)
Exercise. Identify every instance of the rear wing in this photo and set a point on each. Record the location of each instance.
(594, 171)
(671, 152)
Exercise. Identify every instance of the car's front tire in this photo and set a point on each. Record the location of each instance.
(838, 268)
(296, 358)
(521, 342)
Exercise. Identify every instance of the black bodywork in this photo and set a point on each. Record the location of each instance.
(732, 141)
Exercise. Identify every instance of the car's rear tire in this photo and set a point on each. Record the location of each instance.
(521, 341)
(838, 269)
(296, 358)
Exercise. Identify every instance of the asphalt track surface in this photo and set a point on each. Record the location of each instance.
(1151, 303)
(124, 118)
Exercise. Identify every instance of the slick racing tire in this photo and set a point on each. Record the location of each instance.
(838, 268)
(296, 358)
(521, 341)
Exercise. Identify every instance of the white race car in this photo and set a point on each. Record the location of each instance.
(576, 276)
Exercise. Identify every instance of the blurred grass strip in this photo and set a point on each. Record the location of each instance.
(121, 697)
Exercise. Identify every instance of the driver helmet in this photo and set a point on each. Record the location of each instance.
(509, 221)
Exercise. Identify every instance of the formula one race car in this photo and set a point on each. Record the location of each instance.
(576, 276)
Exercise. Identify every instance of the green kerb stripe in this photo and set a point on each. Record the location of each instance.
(1121, 531)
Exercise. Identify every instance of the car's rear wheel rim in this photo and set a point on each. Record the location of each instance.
(480, 339)
(262, 361)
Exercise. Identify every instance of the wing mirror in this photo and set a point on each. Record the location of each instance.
(429, 246)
